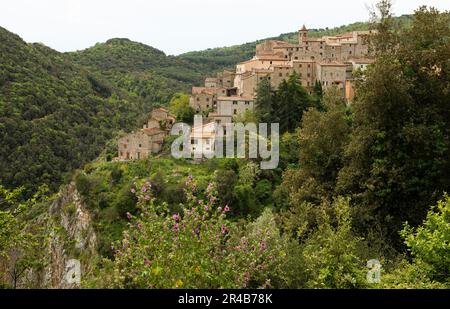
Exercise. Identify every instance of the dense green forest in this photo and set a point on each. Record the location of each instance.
(355, 182)
(54, 115)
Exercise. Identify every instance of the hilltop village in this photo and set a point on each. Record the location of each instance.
(329, 61)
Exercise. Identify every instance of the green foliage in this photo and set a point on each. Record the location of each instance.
(264, 101)
(180, 107)
(54, 115)
(430, 242)
(20, 242)
(399, 150)
(321, 141)
(289, 103)
(331, 252)
(197, 248)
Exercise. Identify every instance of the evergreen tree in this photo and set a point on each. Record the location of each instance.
(264, 101)
(290, 102)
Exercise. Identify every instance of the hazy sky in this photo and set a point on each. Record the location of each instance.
(177, 26)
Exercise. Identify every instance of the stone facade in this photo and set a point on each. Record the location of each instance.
(140, 144)
(330, 61)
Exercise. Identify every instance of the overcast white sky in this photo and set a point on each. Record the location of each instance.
(177, 26)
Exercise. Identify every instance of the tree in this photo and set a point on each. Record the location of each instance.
(331, 252)
(264, 101)
(20, 241)
(291, 100)
(321, 139)
(429, 246)
(430, 242)
(180, 107)
(399, 153)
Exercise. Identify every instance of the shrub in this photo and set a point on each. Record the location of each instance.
(197, 248)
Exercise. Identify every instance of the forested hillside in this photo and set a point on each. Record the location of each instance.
(140, 69)
(54, 116)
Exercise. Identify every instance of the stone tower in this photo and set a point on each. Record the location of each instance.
(302, 35)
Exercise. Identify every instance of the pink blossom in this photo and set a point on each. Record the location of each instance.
(224, 229)
(263, 245)
(226, 209)
(139, 226)
(206, 208)
(246, 278)
(133, 190)
(147, 197)
(129, 216)
(147, 261)
(176, 217)
(144, 188)
(176, 228)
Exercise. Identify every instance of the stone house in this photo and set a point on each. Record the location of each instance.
(148, 140)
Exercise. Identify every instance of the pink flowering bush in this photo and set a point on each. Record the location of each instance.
(196, 248)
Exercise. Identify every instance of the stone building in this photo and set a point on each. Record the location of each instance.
(140, 144)
(329, 60)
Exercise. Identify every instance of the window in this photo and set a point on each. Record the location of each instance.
(207, 99)
(296, 58)
(350, 52)
(309, 75)
(125, 146)
(247, 102)
(198, 99)
(270, 62)
(208, 141)
(309, 66)
(235, 102)
(300, 65)
(235, 111)
(280, 74)
(207, 105)
(140, 145)
(194, 141)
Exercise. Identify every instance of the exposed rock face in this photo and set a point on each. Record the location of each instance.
(73, 219)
